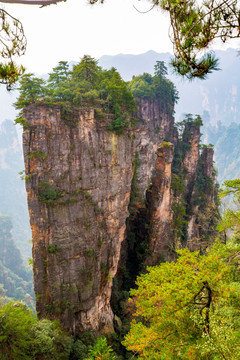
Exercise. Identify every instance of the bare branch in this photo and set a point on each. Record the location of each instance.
(144, 12)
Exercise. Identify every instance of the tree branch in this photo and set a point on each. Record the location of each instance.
(32, 2)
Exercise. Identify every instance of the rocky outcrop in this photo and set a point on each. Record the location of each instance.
(79, 181)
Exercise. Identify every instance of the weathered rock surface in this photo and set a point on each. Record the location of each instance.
(78, 195)
(79, 184)
(154, 126)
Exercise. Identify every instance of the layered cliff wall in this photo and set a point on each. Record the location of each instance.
(79, 181)
(84, 180)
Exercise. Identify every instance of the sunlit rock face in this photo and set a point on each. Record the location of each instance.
(78, 186)
(155, 125)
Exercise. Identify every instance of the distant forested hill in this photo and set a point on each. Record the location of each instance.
(13, 199)
(226, 141)
(15, 278)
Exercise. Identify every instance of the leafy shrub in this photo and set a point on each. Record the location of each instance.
(53, 249)
(101, 350)
(24, 337)
(47, 193)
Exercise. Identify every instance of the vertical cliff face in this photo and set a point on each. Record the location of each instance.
(153, 126)
(204, 216)
(79, 181)
(191, 138)
(193, 189)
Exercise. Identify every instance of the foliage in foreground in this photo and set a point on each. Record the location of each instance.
(24, 337)
(189, 309)
(180, 309)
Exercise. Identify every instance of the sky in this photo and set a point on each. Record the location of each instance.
(71, 29)
(68, 30)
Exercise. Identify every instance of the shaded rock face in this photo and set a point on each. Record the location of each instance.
(78, 195)
(204, 217)
(160, 202)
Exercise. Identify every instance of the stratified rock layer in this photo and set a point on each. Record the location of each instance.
(78, 194)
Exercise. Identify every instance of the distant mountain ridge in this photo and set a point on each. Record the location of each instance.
(219, 94)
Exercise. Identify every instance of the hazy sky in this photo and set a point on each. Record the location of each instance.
(70, 29)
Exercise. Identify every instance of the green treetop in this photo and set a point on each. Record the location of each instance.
(86, 85)
(155, 87)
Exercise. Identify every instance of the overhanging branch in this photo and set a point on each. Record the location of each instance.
(32, 2)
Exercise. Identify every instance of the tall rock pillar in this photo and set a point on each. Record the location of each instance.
(160, 212)
(78, 186)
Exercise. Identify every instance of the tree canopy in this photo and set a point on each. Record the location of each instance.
(188, 309)
(87, 84)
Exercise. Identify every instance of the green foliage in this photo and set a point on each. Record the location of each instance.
(90, 252)
(87, 85)
(24, 337)
(101, 350)
(231, 218)
(50, 341)
(154, 87)
(16, 322)
(14, 276)
(13, 43)
(31, 91)
(37, 154)
(179, 308)
(79, 350)
(59, 74)
(177, 184)
(53, 249)
(180, 218)
(194, 27)
(47, 193)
